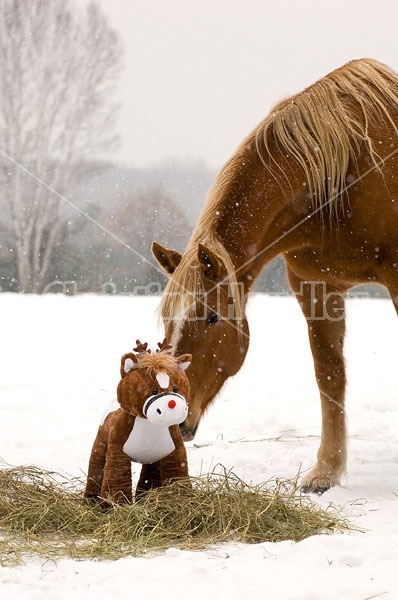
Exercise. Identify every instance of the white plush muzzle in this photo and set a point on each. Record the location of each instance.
(166, 408)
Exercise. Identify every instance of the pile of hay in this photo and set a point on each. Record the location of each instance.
(45, 513)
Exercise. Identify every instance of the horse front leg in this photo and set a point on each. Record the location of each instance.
(323, 308)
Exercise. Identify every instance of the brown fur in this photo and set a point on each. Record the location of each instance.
(315, 182)
(109, 473)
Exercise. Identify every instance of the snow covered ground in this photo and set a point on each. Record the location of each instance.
(59, 361)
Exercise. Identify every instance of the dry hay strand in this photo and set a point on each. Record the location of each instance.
(44, 513)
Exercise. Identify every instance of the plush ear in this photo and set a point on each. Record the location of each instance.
(168, 259)
(184, 361)
(128, 363)
(212, 266)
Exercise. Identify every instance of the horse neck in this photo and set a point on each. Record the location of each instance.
(254, 213)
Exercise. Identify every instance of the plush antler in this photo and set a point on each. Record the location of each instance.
(164, 347)
(141, 348)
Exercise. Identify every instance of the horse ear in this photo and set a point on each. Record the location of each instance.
(128, 363)
(168, 259)
(184, 361)
(212, 266)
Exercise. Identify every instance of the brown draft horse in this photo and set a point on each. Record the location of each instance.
(317, 182)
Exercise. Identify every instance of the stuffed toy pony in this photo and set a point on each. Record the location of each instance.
(142, 426)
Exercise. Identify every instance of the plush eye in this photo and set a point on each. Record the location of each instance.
(154, 391)
(212, 318)
(175, 389)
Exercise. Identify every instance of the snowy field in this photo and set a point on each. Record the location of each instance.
(59, 369)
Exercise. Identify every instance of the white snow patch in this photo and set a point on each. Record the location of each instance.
(111, 408)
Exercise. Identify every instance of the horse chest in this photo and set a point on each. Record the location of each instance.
(148, 443)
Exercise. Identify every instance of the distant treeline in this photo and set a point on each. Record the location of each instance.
(111, 219)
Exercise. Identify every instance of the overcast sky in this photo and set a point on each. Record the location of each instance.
(200, 74)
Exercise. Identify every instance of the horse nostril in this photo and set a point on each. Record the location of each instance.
(188, 434)
(171, 404)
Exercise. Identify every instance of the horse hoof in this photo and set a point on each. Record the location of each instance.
(307, 488)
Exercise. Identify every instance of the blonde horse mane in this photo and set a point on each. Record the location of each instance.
(322, 129)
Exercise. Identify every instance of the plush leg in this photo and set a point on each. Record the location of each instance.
(149, 479)
(96, 468)
(323, 308)
(116, 484)
(174, 466)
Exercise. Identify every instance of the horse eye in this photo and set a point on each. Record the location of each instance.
(154, 391)
(175, 389)
(212, 318)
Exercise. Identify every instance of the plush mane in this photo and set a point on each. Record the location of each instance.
(157, 362)
(322, 128)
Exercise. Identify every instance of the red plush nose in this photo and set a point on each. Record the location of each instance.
(171, 404)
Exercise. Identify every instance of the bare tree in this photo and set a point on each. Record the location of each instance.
(58, 69)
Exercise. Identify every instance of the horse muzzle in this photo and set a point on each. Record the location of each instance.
(188, 433)
(166, 408)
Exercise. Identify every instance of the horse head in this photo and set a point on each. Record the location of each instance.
(154, 385)
(203, 316)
